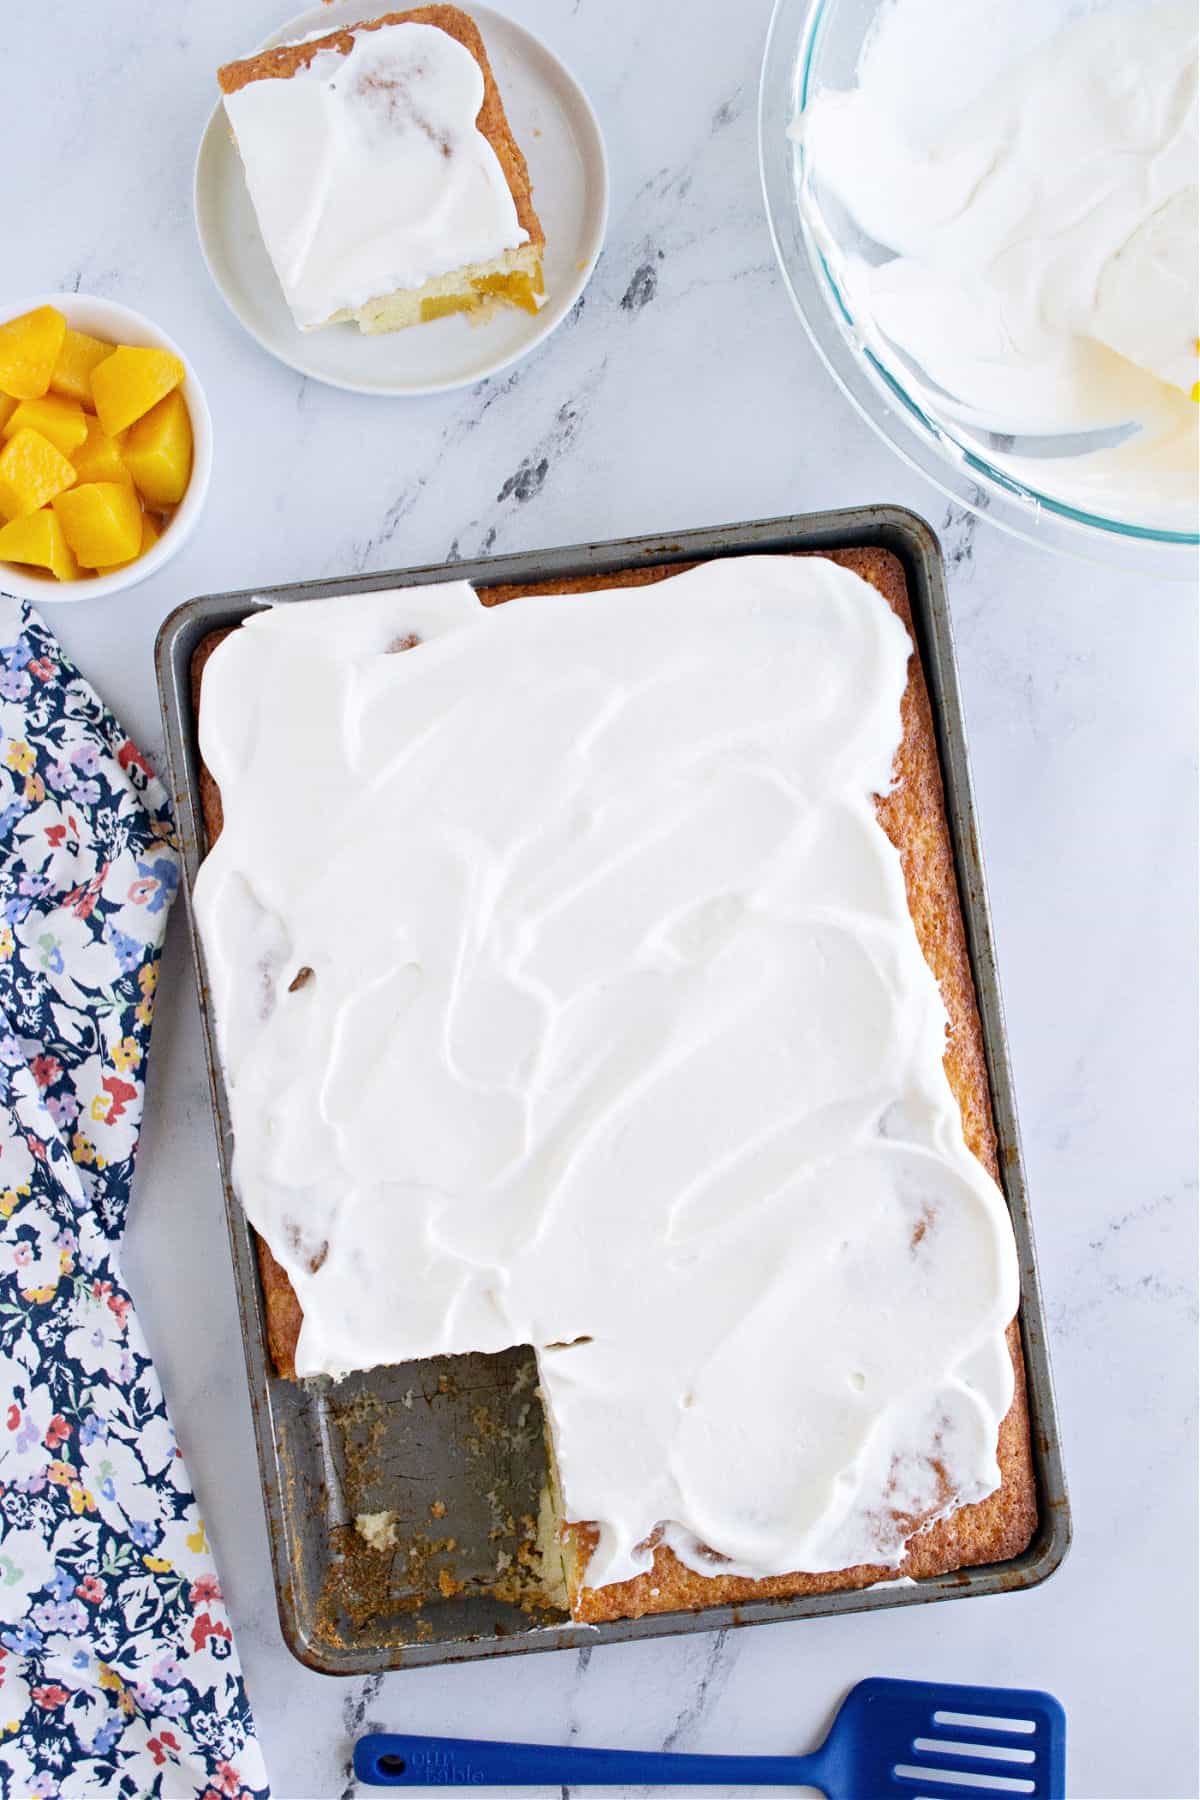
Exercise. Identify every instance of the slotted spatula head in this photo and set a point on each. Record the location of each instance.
(922, 1740)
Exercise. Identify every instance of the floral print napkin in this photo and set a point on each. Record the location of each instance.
(118, 1673)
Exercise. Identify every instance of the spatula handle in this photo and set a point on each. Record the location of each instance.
(385, 1760)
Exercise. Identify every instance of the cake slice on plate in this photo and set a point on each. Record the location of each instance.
(387, 184)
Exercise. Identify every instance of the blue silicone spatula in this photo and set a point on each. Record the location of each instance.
(918, 1739)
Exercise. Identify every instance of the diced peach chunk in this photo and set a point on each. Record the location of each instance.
(32, 471)
(98, 458)
(150, 537)
(39, 539)
(79, 355)
(102, 521)
(440, 306)
(158, 451)
(130, 381)
(517, 287)
(29, 347)
(60, 420)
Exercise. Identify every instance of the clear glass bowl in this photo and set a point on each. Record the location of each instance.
(813, 44)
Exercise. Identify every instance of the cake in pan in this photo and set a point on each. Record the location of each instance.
(763, 1360)
(387, 183)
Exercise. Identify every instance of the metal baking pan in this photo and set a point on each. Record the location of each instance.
(452, 1447)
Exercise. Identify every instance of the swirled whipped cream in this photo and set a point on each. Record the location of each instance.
(367, 170)
(1025, 258)
(567, 995)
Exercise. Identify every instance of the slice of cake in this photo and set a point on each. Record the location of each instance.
(387, 184)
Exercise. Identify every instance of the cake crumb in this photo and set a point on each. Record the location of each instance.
(378, 1529)
(438, 1509)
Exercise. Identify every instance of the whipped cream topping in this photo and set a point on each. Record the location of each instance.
(367, 171)
(1031, 263)
(567, 994)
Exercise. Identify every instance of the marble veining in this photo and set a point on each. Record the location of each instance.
(358, 1718)
(957, 532)
(643, 286)
(718, 1660)
(698, 401)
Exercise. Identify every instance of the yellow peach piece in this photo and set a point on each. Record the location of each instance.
(130, 381)
(60, 420)
(158, 451)
(8, 407)
(440, 306)
(38, 538)
(102, 521)
(517, 288)
(72, 377)
(29, 347)
(98, 458)
(150, 537)
(32, 471)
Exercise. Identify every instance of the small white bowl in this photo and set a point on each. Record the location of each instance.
(121, 325)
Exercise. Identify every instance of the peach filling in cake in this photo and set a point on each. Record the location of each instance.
(518, 288)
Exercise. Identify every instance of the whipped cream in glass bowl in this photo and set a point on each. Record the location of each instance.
(987, 220)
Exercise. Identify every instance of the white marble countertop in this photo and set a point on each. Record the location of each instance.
(685, 393)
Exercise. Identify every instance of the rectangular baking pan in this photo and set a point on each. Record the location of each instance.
(452, 1447)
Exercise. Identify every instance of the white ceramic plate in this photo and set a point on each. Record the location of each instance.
(557, 130)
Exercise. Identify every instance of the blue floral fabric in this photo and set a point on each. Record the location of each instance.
(118, 1674)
